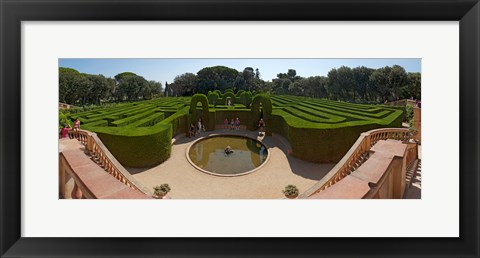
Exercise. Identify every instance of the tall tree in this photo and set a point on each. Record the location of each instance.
(398, 79)
(184, 85)
(413, 89)
(98, 88)
(216, 77)
(297, 87)
(257, 73)
(240, 83)
(68, 82)
(281, 85)
(361, 77)
(131, 86)
(292, 73)
(380, 80)
(151, 89)
(314, 86)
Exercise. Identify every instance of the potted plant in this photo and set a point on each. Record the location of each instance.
(290, 191)
(160, 191)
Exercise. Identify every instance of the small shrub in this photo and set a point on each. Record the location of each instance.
(63, 119)
(161, 190)
(290, 190)
(409, 115)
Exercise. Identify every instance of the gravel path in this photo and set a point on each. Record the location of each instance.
(266, 183)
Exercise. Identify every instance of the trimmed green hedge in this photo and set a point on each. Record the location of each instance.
(193, 108)
(318, 130)
(266, 103)
(149, 121)
(228, 94)
(246, 98)
(228, 90)
(142, 147)
(219, 93)
(239, 93)
(213, 97)
(328, 141)
(131, 119)
(143, 138)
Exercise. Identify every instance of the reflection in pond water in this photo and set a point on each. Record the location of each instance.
(211, 154)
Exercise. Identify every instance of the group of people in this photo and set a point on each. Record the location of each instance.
(233, 125)
(66, 128)
(195, 130)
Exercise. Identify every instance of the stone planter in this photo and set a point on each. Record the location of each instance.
(291, 196)
(158, 196)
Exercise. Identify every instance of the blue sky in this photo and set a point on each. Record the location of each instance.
(163, 70)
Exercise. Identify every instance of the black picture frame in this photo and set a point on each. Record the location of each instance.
(12, 13)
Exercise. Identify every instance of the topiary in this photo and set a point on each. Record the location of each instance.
(205, 109)
(239, 93)
(246, 98)
(213, 98)
(228, 90)
(230, 95)
(263, 99)
(220, 95)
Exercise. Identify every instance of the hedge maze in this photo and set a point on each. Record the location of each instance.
(322, 113)
(321, 130)
(139, 134)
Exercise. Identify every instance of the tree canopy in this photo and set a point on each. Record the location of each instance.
(359, 84)
(84, 89)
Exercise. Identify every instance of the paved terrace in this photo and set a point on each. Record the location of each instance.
(266, 183)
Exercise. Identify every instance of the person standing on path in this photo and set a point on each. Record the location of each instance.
(261, 125)
(76, 125)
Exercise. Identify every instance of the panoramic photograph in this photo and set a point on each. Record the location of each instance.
(286, 129)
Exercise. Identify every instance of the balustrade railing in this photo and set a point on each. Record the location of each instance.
(106, 160)
(357, 155)
(80, 135)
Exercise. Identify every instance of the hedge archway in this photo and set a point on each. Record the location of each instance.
(213, 98)
(239, 93)
(220, 95)
(193, 108)
(228, 90)
(266, 103)
(229, 94)
(246, 98)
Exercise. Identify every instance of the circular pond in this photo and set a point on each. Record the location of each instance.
(212, 155)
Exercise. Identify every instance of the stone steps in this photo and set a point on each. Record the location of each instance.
(91, 174)
(414, 181)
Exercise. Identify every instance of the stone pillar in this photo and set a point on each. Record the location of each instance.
(399, 173)
(366, 141)
(76, 192)
(61, 180)
(89, 142)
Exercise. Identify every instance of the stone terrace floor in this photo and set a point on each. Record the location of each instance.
(266, 183)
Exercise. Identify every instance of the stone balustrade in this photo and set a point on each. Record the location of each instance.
(374, 174)
(81, 135)
(77, 165)
(358, 156)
